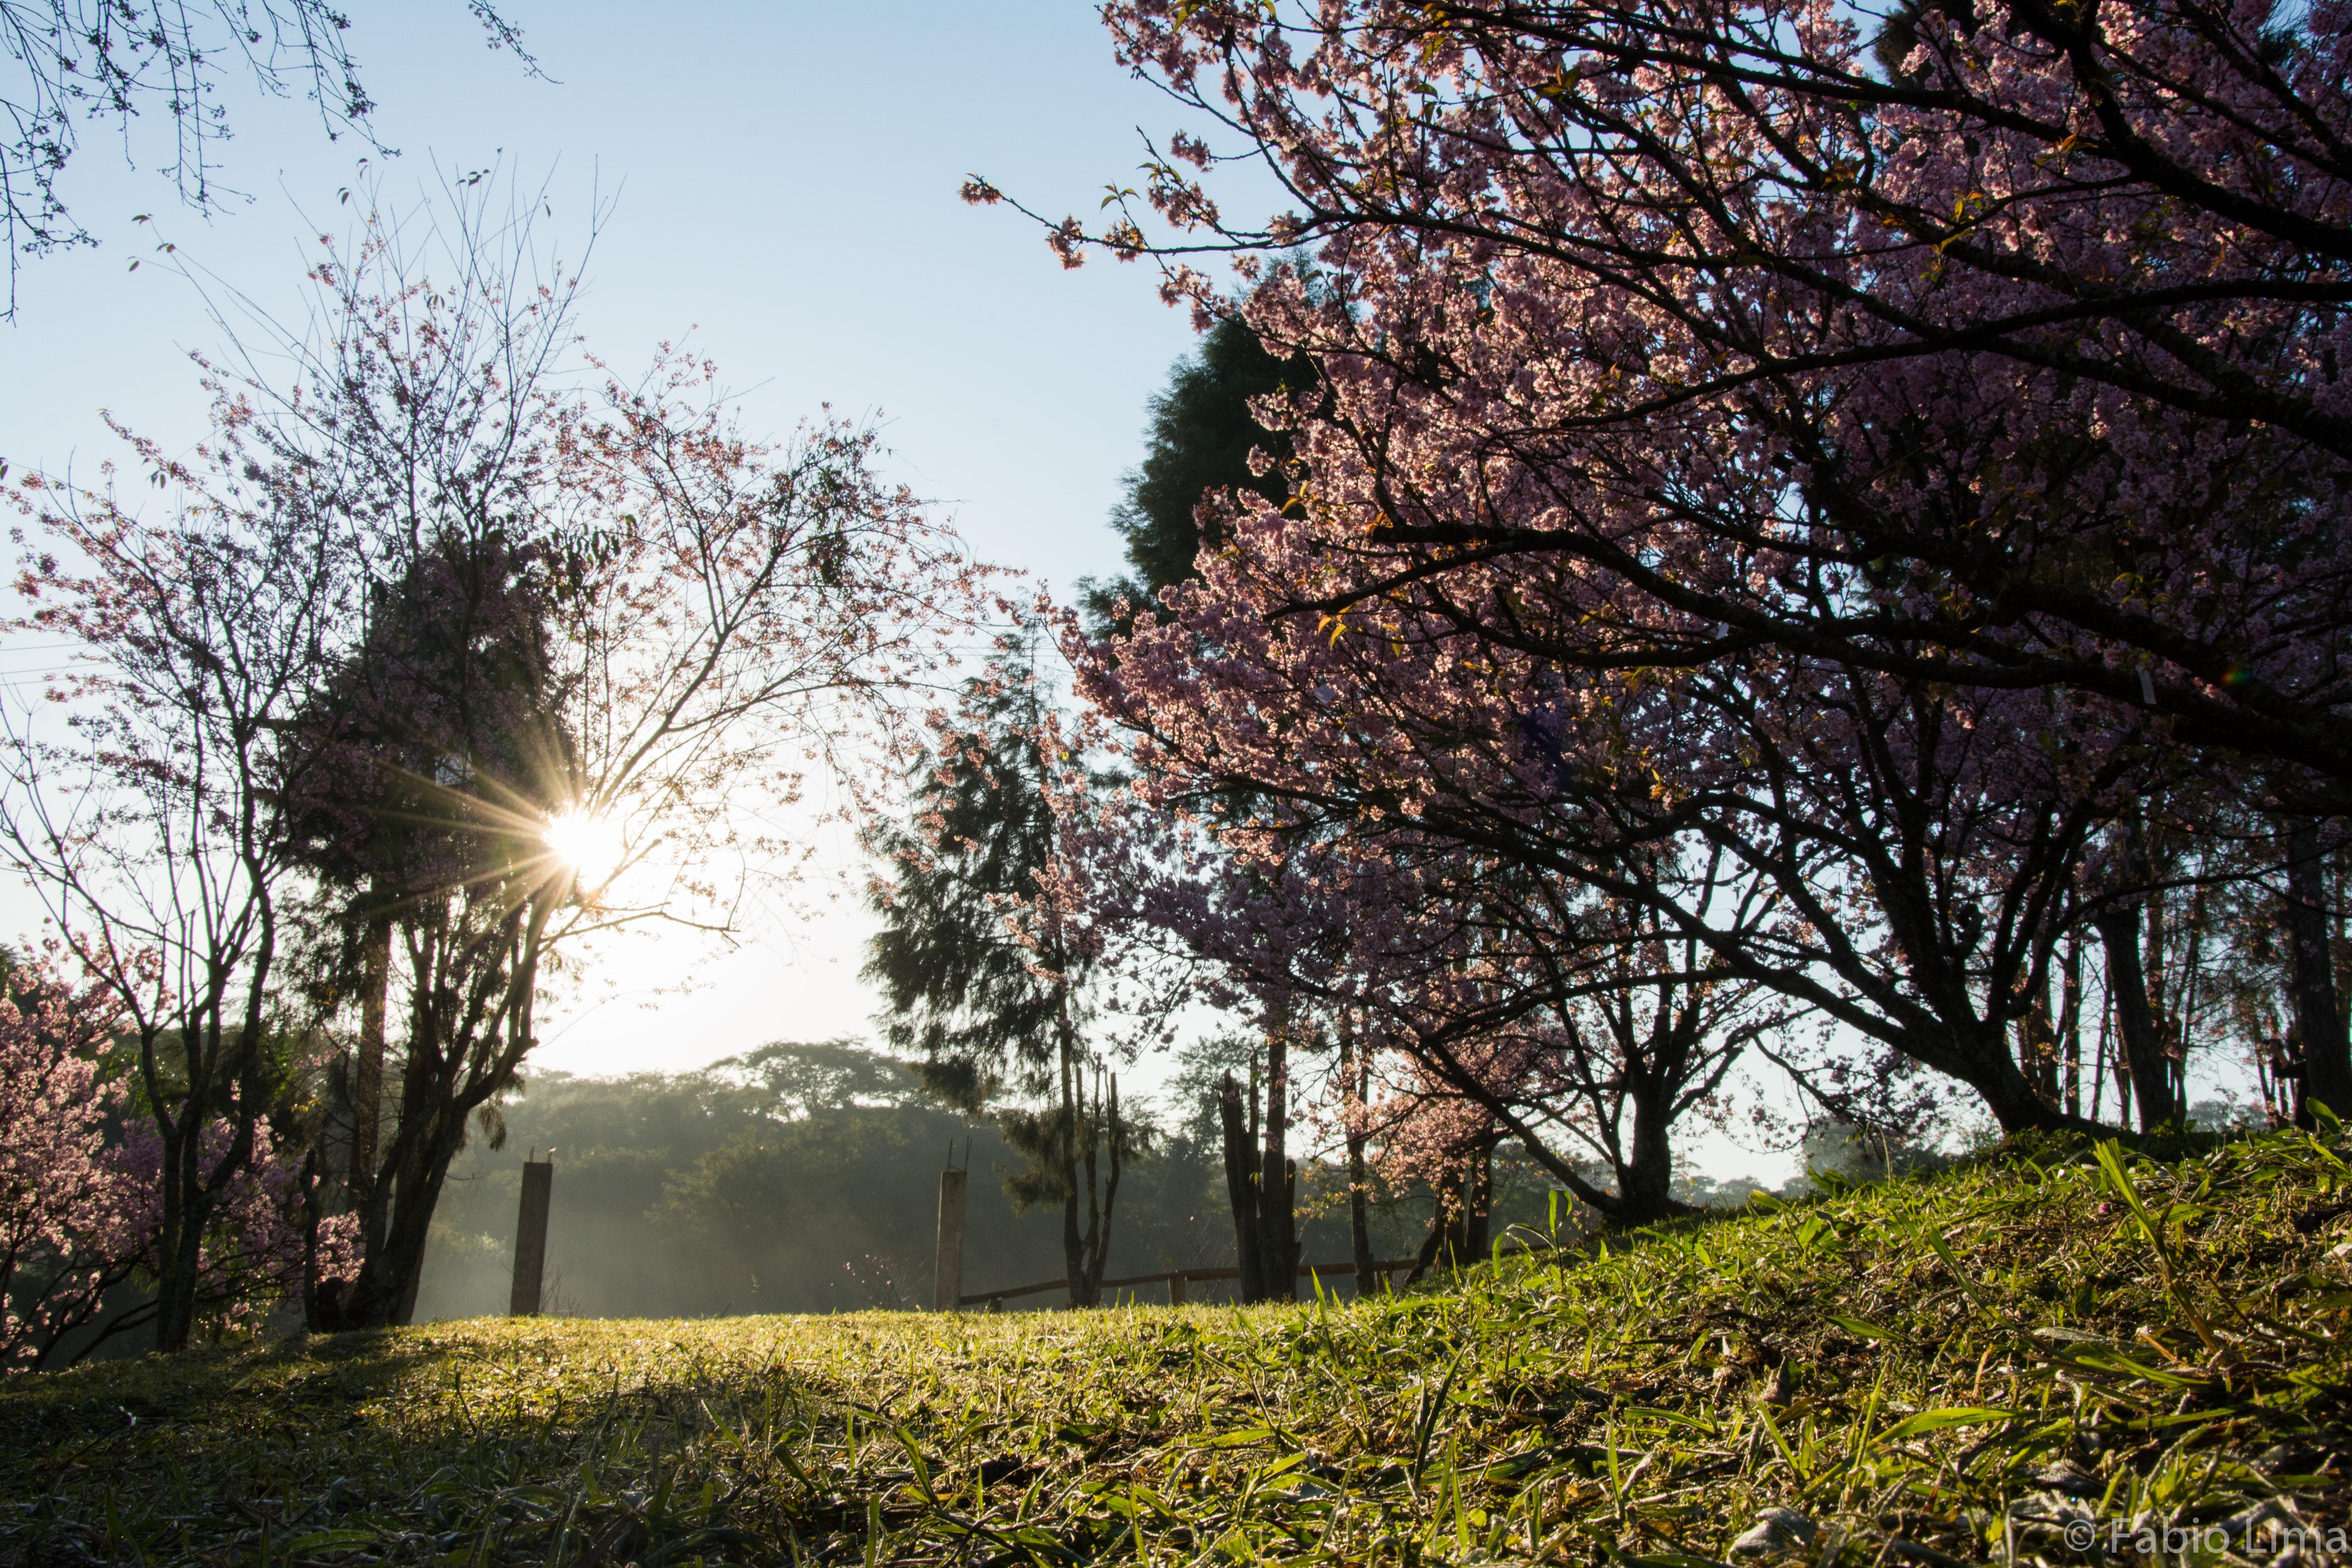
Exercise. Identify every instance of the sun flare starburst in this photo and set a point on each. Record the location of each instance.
(591, 845)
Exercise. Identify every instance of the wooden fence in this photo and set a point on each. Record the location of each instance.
(1176, 1281)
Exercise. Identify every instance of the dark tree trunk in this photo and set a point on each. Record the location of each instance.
(2326, 1071)
(2037, 1049)
(1646, 1180)
(1240, 1183)
(1074, 1248)
(1459, 1223)
(1356, 1074)
(176, 1300)
(235, 1088)
(1073, 1241)
(1982, 1057)
(1101, 1130)
(1116, 1145)
(2070, 1023)
(367, 1063)
(1644, 1169)
(1359, 1229)
(392, 1300)
(1476, 1234)
(384, 1293)
(2104, 1068)
(2143, 1051)
(469, 1026)
(1277, 1180)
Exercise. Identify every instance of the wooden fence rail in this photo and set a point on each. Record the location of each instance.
(1177, 1279)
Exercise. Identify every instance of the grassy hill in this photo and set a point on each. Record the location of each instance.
(1945, 1370)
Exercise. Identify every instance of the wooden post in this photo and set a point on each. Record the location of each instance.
(947, 1288)
(531, 1237)
(1176, 1283)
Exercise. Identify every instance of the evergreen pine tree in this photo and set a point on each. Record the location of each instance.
(983, 970)
(1200, 439)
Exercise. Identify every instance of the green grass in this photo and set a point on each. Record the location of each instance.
(1947, 1369)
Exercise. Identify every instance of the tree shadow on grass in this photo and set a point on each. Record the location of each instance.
(390, 1443)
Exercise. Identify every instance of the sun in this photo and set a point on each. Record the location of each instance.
(589, 844)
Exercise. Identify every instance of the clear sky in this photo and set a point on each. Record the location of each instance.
(786, 179)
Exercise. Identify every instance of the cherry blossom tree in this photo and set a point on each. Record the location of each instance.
(411, 822)
(1641, 1028)
(1432, 1135)
(452, 635)
(607, 638)
(262, 1244)
(2016, 365)
(1908, 859)
(987, 963)
(1929, 847)
(1578, 1022)
(141, 801)
(82, 1192)
(1959, 419)
(69, 1231)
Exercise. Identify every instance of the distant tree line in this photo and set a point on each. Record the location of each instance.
(805, 1179)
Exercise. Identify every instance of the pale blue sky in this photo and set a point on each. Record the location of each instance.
(787, 177)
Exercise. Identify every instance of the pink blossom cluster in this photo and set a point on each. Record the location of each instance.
(67, 1205)
(1652, 337)
(81, 1187)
